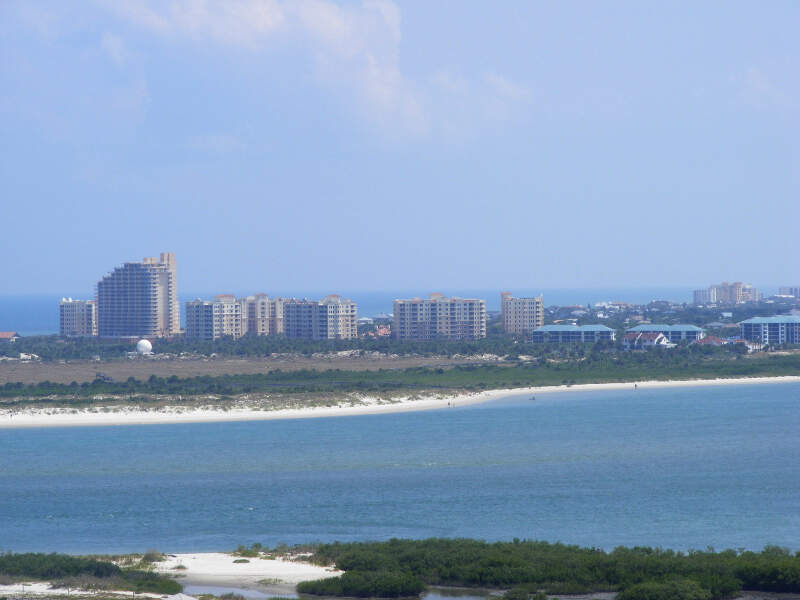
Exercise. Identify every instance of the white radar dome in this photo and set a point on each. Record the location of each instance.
(144, 347)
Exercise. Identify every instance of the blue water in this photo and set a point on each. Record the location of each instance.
(37, 314)
(681, 468)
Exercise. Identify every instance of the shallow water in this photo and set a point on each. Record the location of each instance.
(673, 467)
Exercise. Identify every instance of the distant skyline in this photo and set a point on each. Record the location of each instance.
(322, 145)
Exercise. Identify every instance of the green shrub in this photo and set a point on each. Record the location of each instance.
(673, 589)
(365, 584)
(88, 572)
(152, 556)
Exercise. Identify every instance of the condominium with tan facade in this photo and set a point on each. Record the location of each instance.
(140, 299)
(439, 317)
(77, 318)
(331, 318)
(727, 293)
(256, 311)
(262, 315)
(521, 315)
(221, 317)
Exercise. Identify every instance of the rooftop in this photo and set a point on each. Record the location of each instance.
(545, 328)
(780, 319)
(662, 327)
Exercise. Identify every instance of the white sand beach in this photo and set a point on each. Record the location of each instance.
(120, 415)
(41, 588)
(213, 569)
(219, 569)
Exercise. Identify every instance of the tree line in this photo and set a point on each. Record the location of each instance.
(50, 348)
(529, 568)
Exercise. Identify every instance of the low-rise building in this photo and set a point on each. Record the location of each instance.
(772, 330)
(8, 337)
(77, 318)
(673, 333)
(711, 340)
(572, 334)
(640, 340)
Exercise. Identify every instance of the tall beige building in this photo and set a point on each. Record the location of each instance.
(256, 315)
(276, 326)
(221, 317)
(332, 318)
(521, 315)
(77, 318)
(140, 299)
(262, 315)
(728, 293)
(439, 317)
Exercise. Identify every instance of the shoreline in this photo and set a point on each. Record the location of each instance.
(277, 576)
(109, 416)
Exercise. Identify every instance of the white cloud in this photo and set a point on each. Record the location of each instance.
(355, 51)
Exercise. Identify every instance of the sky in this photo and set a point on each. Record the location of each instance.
(379, 145)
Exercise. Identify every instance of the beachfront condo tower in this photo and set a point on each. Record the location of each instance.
(77, 318)
(223, 317)
(332, 318)
(521, 315)
(439, 317)
(140, 299)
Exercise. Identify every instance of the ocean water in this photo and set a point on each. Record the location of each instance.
(37, 314)
(679, 467)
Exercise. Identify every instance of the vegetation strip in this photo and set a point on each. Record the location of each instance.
(405, 567)
(593, 367)
(85, 573)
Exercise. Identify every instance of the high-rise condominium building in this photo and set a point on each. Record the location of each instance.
(439, 317)
(140, 299)
(77, 318)
(703, 297)
(727, 293)
(212, 320)
(276, 326)
(262, 315)
(256, 311)
(792, 290)
(331, 318)
(521, 315)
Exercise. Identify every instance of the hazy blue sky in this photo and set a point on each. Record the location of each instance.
(320, 145)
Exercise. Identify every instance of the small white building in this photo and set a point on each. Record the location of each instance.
(640, 340)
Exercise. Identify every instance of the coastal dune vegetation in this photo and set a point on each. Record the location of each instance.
(76, 572)
(529, 568)
(592, 366)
